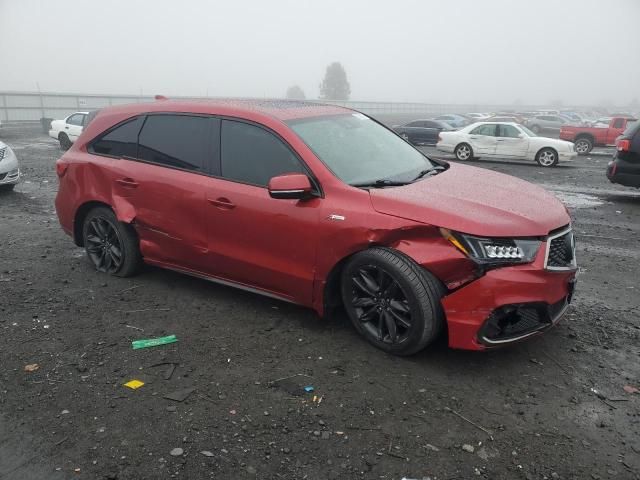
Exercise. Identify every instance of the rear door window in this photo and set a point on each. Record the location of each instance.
(76, 119)
(488, 130)
(178, 141)
(250, 154)
(618, 123)
(122, 141)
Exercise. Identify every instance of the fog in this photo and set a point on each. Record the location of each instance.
(464, 51)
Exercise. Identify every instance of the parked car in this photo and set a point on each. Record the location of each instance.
(454, 119)
(546, 123)
(9, 168)
(585, 137)
(478, 116)
(510, 140)
(625, 166)
(422, 132)
(67, 130)
(503, 119)
(323, 207)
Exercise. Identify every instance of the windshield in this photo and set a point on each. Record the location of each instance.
(527, 131)
(360, 151)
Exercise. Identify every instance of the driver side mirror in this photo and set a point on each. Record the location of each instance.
(521, 135)
(290, 186)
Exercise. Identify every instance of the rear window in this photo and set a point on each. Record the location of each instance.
(122, 141)
(180, 141)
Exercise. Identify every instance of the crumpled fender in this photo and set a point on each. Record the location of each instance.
(125, 212)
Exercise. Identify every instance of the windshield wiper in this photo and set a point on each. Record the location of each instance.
(432, 171)
(383, 182)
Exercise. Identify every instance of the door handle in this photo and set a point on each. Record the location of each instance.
(222, 203)
(499, 139)
(127, 182)
(67, 127)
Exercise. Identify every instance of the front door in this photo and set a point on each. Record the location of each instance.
(256, 240)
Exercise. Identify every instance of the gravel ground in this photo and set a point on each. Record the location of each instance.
(553, 407)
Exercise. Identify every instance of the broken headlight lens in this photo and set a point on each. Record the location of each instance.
(494, 251)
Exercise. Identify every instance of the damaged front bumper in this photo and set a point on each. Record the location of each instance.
(507, 305)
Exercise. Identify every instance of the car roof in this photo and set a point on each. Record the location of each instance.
(279, 109)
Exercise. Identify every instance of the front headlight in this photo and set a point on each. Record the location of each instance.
(494, 251)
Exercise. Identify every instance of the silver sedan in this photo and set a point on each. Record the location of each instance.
(9, 169)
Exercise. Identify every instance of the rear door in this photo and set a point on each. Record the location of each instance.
(510, 144)
(73, 126)
(430, 132)
(255, 240)
(483, 139)
(166, 186)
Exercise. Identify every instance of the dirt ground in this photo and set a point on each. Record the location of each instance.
(553, 407)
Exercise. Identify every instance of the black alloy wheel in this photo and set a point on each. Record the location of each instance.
(392, 301)
(103, 245)
(380, 304)
(112, 247)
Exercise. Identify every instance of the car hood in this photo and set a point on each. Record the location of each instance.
(476, 201)
(561, 145)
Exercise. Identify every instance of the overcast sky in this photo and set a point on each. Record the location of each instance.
(456, 51)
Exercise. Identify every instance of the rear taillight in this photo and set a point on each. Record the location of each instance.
(623, 145)
(61, 168)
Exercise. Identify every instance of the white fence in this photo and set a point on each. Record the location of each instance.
(23, 107)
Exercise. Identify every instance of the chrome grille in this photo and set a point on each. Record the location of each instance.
(561, 251)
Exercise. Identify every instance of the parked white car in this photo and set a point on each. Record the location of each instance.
(67, 130)
(504, 139)
(9, 168)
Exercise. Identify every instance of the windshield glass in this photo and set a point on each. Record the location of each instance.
(360, 151)
(527, 131)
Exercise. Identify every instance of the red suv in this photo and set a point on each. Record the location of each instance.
(324, 207)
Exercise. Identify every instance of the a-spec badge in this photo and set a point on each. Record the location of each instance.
(333, 216)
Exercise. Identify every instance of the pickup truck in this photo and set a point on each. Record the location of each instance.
(585, 138)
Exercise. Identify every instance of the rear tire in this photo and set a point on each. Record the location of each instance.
(111, 246)
(392, 301)
(547, 157)
(583, 145)
(65, 143)
(463, 152)
(535, 129)
(7, 188)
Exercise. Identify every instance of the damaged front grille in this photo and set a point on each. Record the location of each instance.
(3, 152)
(513, 322)
(561, 251)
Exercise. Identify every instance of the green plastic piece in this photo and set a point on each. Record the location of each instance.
(153, 342)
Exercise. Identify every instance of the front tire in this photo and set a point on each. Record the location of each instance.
(463, 152)
(547, 157)
(583, 145)
(111, 246)
(65, 143)
(391, 301)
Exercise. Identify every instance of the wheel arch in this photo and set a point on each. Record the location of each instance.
(586, 135)
(80, 215)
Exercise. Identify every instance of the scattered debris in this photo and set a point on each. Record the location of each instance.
(64, 412)
(171, 408)
(176, 452)
(153, 342)
(32, 367)
(179, 395)
(468, 448)
(309, 388)
(169, 373)
(134, 384)
(206, 453)
(480, 427)
(630, 389)
(431, 447)
(135, 328)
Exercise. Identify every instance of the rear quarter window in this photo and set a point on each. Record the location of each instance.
(121, 141)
